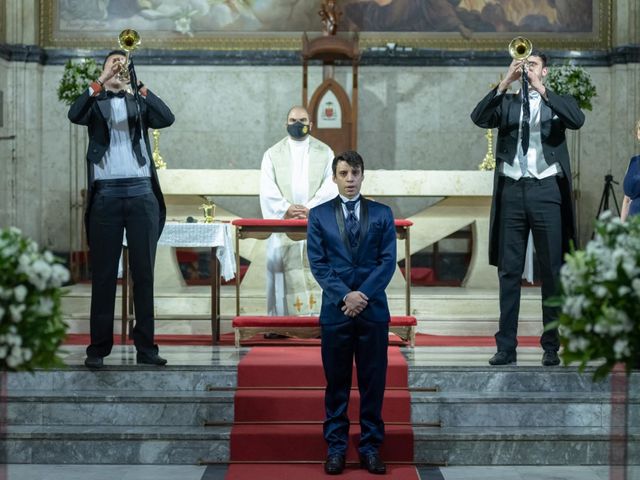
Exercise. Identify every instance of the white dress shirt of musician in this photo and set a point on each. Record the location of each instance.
(295, 175)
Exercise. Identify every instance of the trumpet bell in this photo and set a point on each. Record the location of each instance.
(129, 40)
(520, 48)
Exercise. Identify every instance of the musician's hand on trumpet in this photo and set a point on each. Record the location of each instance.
(110, 76)
(514, 73)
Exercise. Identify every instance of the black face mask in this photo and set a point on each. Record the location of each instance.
(298, 130)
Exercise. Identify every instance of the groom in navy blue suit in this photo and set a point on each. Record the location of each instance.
(351, 244)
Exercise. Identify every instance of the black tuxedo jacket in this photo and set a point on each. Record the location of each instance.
(557, 113)
(95, 111)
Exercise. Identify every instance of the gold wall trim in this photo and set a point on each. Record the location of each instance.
(51, 36)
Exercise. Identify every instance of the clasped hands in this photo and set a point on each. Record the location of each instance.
(296, 212)
(354, 303)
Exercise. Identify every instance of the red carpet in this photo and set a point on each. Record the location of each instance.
(285, 385)
(422, 340)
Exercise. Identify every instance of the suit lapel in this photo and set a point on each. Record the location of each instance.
(104, 105)
(364, 224)
(337, 207)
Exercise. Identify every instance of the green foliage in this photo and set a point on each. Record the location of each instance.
(31, 324)
(76, 78)
(572, 80)
(600, 299)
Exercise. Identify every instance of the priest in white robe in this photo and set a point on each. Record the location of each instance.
(295, 176)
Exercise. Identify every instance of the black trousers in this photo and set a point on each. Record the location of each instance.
(108, 218)
(367, 342)
(528, 204)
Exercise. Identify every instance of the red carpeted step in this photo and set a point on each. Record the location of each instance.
(313, 472)
(302, 367)
(292, 442)
(308, 405)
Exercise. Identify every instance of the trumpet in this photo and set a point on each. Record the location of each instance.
(520, 48)
(128, 40)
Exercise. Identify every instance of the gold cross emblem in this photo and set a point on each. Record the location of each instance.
(312, 301)
(298, 304)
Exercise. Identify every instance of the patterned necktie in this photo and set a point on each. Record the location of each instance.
(352, 223)
(526, 117)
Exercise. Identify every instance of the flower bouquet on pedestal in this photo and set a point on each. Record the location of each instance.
(31, 325)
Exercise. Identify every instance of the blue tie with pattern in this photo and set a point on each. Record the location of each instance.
(352, 223)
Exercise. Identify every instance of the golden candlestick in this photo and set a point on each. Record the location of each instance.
(489, 162)
(157, 158)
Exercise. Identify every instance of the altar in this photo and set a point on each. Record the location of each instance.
(464, 200)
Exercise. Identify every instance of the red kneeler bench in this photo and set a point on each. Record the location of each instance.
(308, 327)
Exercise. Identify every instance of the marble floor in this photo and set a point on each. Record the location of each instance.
(74, 355)
(163, 472)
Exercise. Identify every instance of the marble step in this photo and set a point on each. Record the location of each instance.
(518, 446)
(510, 379)
(146, 408)
(191, 445)
(520, 409)
(195, 408)
(122, 445)
(125, 378)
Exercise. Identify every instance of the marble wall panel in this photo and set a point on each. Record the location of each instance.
(226, 117)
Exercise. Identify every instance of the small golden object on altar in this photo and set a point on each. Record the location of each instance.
(209, 211)
(157, 158)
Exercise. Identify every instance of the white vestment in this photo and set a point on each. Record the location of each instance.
(292, 172)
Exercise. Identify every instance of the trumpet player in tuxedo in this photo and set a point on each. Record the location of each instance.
(532, 190)
(123, 193)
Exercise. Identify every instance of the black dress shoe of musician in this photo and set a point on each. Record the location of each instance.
(503, 358)
(93, 363)
(373, 463)
(334, 464)
(550, 358)
(150, 359)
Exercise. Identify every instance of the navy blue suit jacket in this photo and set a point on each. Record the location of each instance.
(339, 270)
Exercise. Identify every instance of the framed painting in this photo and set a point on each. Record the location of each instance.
(278, 24)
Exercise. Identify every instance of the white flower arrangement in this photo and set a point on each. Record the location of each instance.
(31, 325)
(572, 80)
(600, 298)
(76, 79)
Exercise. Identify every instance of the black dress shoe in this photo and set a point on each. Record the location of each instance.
(550, 358)
(373, 463)
(334, 464)
(503, 358)
(150, 359)
(93, 362)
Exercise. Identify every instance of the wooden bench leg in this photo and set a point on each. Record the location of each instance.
(237, 336)
(412, 336)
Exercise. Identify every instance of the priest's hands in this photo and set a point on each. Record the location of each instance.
(354, 303)
(296, 212)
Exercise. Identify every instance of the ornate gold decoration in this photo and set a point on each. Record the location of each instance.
(489, 162)
(298, 304)
(157, 158)
(312, 302)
